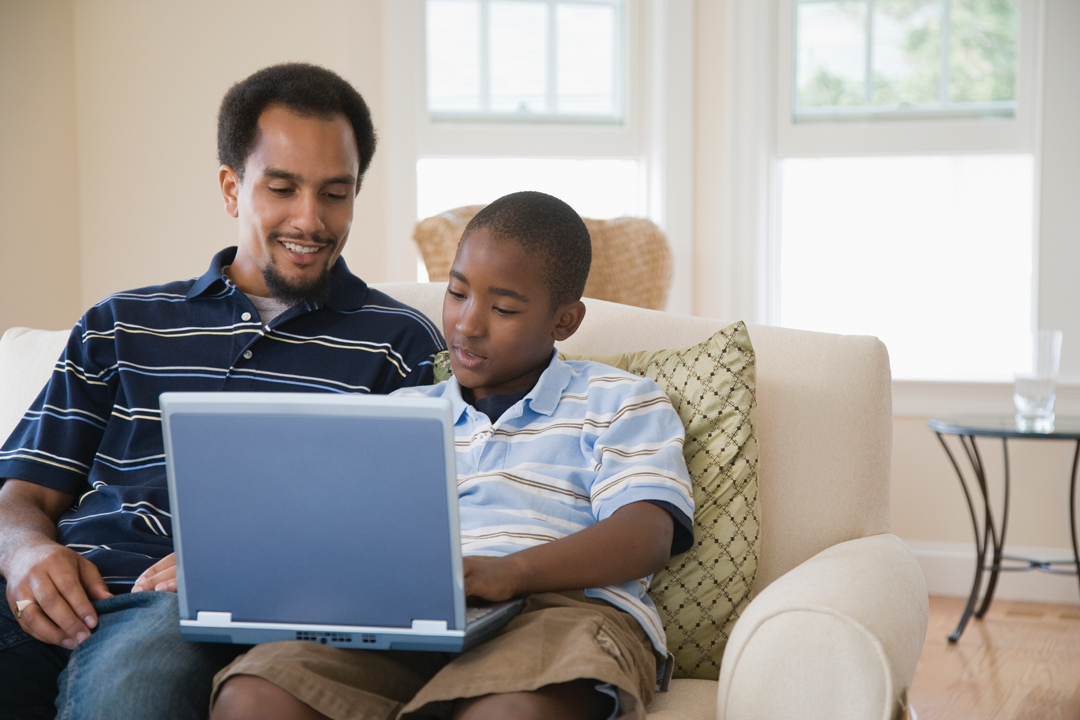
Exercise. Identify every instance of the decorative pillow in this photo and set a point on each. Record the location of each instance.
(702, 592)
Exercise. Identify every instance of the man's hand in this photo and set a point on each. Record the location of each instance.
(490, 578)
(59, 583)
(161, 576)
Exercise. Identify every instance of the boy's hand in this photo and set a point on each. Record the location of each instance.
(490, 578)
(160, 576)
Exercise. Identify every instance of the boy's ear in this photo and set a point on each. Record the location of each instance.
(569, 318)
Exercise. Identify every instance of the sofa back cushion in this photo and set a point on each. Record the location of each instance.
(27, 359)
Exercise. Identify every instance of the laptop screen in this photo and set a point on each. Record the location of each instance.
(293, 513)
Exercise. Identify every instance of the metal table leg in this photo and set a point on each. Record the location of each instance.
(999, 541)
(980, 540)
(1072, 509)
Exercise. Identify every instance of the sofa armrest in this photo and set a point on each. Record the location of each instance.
(837, 637)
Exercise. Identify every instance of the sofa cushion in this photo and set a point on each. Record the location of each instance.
(701, 593)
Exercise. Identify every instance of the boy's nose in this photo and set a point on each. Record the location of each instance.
(469, 322)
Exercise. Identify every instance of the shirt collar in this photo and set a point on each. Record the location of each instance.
(543, 398)
(347, 291)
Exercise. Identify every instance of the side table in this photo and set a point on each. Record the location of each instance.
(967, 428)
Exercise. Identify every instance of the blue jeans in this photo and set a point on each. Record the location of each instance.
(134, 665)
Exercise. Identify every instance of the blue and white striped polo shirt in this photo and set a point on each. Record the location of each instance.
(95, 430)
(585, 441)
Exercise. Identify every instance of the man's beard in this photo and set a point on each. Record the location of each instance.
(296, 293)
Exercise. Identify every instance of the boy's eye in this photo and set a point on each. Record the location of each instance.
(455, 294)
(504, 311)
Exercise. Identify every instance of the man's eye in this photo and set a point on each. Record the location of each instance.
(280, 190)
(335, 196)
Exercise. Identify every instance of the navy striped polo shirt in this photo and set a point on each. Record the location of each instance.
(94, 431)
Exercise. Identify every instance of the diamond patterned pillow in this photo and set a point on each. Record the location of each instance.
(702, 592)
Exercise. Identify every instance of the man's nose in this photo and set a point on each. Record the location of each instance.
(308, 215)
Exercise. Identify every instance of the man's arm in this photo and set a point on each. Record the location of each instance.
(633, 543)
(59, 581)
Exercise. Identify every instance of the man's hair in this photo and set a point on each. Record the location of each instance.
(307, 90)
(546, 227)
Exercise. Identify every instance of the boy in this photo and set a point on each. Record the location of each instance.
(573, 491)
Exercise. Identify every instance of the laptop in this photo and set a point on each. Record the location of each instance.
(321, 517)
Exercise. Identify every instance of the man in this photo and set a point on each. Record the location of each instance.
(84, 513)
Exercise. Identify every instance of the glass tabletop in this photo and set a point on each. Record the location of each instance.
(1065, 427)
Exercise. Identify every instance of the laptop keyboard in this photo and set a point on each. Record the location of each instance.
(472, 614)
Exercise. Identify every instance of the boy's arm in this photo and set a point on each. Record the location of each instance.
(633, 543)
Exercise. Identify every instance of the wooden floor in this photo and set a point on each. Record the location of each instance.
(1020, 662)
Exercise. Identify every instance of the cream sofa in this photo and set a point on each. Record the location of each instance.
(840, 606)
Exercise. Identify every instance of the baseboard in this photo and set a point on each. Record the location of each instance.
(949, 569)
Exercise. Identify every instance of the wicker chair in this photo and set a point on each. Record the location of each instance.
(631, 262)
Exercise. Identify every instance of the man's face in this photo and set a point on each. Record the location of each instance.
(497, 317)
(294, 204)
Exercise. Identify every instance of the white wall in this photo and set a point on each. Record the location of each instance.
(149, 80)
(39, 219)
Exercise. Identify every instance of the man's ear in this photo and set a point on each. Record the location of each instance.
(569, 319)
(230, 188)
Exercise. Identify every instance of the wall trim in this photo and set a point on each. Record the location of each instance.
(950, 567)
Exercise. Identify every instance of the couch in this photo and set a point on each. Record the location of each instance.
(839, 608)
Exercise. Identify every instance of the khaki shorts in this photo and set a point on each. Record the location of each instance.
(557, 638)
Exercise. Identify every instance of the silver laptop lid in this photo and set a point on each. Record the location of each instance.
(314, 508)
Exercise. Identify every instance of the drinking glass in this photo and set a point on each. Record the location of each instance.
(1035, 389)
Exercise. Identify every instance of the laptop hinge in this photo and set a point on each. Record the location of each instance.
(214, 618)
(429, 626)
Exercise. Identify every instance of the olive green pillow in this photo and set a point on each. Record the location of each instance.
(702, 592)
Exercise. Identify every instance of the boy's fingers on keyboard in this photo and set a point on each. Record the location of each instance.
(488, 578)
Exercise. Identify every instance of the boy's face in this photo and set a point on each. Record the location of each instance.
(497, 317)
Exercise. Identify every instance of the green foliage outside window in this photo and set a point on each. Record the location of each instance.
(982, 54)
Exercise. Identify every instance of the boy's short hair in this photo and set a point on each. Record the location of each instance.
(305, 89)
(543, 225)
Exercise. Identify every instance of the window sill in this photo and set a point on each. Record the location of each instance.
(924, 399)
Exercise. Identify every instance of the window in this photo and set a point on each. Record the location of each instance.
(526, 60)
(904, 179)
(592, 103)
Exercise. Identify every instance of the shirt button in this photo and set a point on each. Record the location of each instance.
(246, 316)
(247, 354)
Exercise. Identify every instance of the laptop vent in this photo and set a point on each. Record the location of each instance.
(332, 638)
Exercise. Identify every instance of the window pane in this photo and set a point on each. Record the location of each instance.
(907, 52)
(831, 53)
(982, 57)
(518, 41)
(595, 188)
(586, 59)
(453, 54)
(931, 254)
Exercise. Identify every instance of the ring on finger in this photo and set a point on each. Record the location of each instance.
(21, 605)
